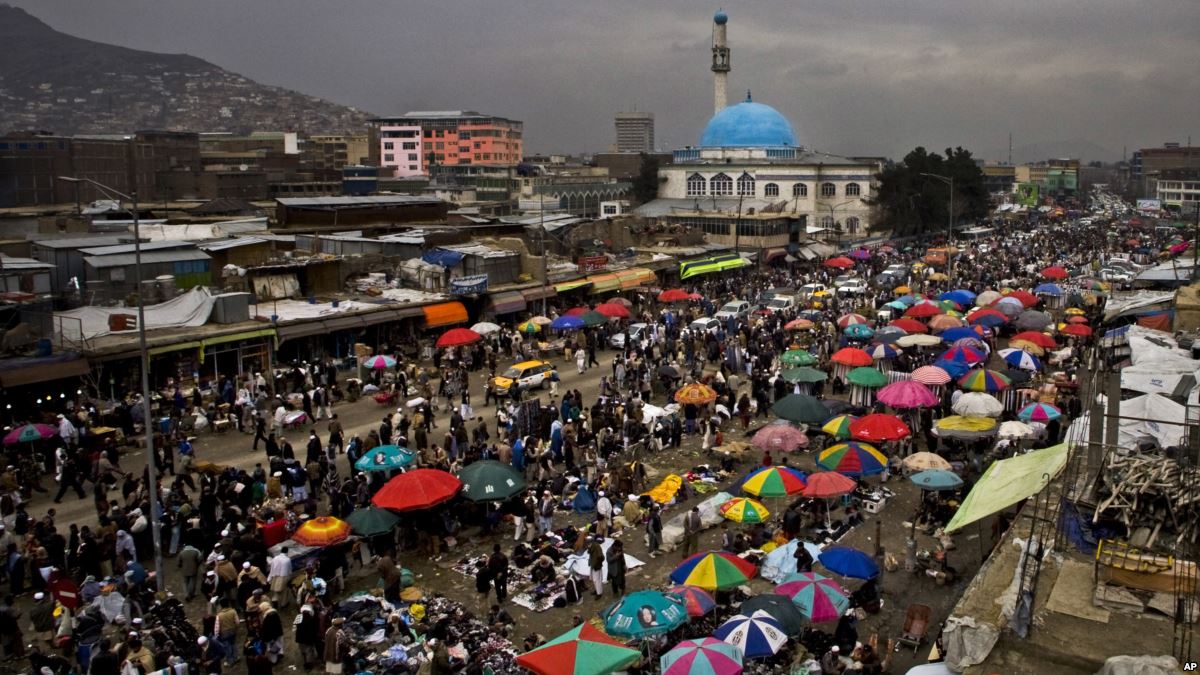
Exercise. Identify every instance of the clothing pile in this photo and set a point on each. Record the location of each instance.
(471, 637)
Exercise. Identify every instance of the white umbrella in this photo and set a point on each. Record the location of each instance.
(978, 404)
(919, 340)
(485, 328)
(1015, 430)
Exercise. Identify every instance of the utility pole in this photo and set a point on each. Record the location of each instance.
(542, 240)
(737, 229)
(949, 180)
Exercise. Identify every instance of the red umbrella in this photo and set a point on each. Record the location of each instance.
(417, 489)
(879, 427)
(1040, 339)
(1076, 329)
(1054, 272)
(674, 295)
(1028, 299)
(923, 310)
(828, 484)
(578, 311)
(852, 356)
(841, 262)
(910, 326)
(979, 315)
(457, 337)
(613, 311)
(1077, 319)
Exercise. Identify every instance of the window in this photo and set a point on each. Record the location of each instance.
(828, 189)
(389, 158)
(852, 225)
(464, 149)
(440, 145)
(827, 222)
(771, 190)
(722, 185)
(745, 185)
(389, 146)
(853, 190)
(799, 190)
(695, 185)
(478, 145)
(412, 156)
(410, 146)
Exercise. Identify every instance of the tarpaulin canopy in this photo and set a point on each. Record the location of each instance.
(1007, 482)
(444, 314)
(443, 257)
(506, 302)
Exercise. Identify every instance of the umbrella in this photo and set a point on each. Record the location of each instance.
(827, 484)
(923, 310)
(583, 650)
(485, 328)
(919, 340)
(836, 407)
(806, 374)
(578, 311)
(1048, 289)
(840, 262)
(624, 302)
(959, 333)
(778, 607)
(457, 337)
(541, 320)
(529, 328)
(1035, 337)
(322, 531)
(417, 489)
(702, 656)
(800, 408)
(758, 635)
(673, 295)
(859, 331)
(695, 393)
(986, 298)
(839, 427)
(643, 614)
(487, 480)
(385, 458)
(1026, 346)
(1033, 320)
(781, 437)
(1076, 329)
(865, 376)
(1019, 358)
(1016, 430)
(989, 318)
(978, 404)
(924, 461)
(910, 326)
(798, 324)
(819, 598)
(852, 356)
(943, 322)
(961, 296)
(592, 318)
(1077, 319)
(984, 380)
(713, 571)
(1054, 272)
(936, 480)
(379, 362)
(744, 510)
(797, 357)
(906, 395)
(852, 459)
(567, 323)
(883, 351)
(965, 428)
(612, 310)
(371, 521)
(975, 343)
(880, 427)
(955, 369)
(28, 434)
(1028, 299)
(849, 562)
(1009, 307)
(965, 355)
(847, 320)
(1039, 412)
(696, 601)
(774, 481)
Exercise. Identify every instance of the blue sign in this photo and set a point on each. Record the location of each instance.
(471, 285)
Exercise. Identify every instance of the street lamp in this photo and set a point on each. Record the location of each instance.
(145, 359)
(832, 208)
(948, 180)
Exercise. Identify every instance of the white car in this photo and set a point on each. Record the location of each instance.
(638, 332)
(781, 303)
(1116, 275)
(734, 309)
(898, 269)
(853, 287)
(706, 325)
(843, 279)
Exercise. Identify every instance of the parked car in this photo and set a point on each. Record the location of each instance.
(705, 325)
(781, 303)
(637, 333)
(853, 287)
(808, 290)
(524, 375)
(734, 309)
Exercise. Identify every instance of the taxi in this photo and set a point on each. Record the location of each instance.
(526, 375)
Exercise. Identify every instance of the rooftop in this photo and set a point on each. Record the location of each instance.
(350, 202)
(123, 259)
(132, 248)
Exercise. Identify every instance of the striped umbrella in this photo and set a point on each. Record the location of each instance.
(819, 598)
(759, 635)
(695, 393)
(696, 601)
(322, 531)
(883, 351)
(848, 320)
(906, 395)
(965, 355)
(775, 481)
(852, 459)
(984, 380)
(1039, 412)
(583, 650)
(702, 656)
(379, 362)
(1019, 358)
(839, 427)
(744, 510)
(529, 328)
(713, 571)
(29, 433)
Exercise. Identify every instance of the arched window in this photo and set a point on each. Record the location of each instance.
(827, 222)
(852, 225)
(852, 190)
(828, 189)
(695, 185)
(771, 190)
(721, 185)
(800, 190)
(745, 184)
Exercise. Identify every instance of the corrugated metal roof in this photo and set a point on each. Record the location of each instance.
(225, 244)
(15, 264)
(480, 250)
(130, 248)
(126, 259)
(78, 242)
(331, 202)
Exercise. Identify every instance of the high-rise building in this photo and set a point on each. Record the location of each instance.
(416, 141)
(635, 132)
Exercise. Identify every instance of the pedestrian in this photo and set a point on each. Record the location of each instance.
(483, 585)
(616, 567)
(546, 513)
(336, 646)
(654, 530)
(498, 568)
(804, 559)
(225, 631)
(280, 577)
(604, 512)
(692, 524)
(596, 565)
(308, 634)
(581, 361)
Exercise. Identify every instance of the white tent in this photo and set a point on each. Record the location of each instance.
(1157, 416)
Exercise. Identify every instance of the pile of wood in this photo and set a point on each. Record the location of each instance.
(1153, 496)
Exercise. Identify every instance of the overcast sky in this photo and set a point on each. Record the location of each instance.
(853, 76)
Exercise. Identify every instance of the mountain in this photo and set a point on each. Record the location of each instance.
(63, 84)
(1075, 148)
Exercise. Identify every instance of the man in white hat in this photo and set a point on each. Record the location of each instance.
(604, 513)
(545, 515)
(41, 618)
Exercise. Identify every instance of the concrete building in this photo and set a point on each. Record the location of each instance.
(999, 178)
(327, 155)
(635, 131)
(1056, 177)
(1178, 189)
(447, 138)
(626, 165)
(1148, 163)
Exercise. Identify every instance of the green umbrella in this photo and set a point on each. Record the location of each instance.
(643, 614)
(593, 318)
(488, 480)
(385, 458)
(371, 521)
(866, 376)
(806, 374)
(797, 357)
(800, 408)
(583, 650)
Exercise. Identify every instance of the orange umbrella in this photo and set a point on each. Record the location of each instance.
(696, 394)
(322, 531)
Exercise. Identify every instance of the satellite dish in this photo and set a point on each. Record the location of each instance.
(244, 167)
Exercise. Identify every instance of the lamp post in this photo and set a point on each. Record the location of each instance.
(948, 180)
(832, 208)
(155, 530)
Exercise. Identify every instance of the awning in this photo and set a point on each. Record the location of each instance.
(567, 286)
(531, 294)
(443, 257)
(234, 337)
(635, 276)
(444, 314)
(506, 302)
(773, 253)
(44, 372)
(602, 283)
(1007, 482)
(347, 322)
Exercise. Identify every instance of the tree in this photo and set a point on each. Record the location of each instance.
(913, 203)
(645, 184)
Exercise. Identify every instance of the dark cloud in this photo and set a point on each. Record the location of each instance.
(873, 76)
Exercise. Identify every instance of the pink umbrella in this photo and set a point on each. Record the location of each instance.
(783, 437)
(931, 375)
(907, 394)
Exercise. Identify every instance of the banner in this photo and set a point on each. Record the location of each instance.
(471, 285)
(592, 263)
(1027, 194)
(1150, 206)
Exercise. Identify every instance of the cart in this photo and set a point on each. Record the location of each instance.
(916, 626)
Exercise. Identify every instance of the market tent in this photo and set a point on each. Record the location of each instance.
(1007, 482)
(1152, 415)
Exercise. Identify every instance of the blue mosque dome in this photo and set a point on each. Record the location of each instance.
(748, 124)
(720, 17)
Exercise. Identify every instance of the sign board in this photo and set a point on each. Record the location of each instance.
(592, 263)
(1153, 205)
(1027, 194)
(476, 283)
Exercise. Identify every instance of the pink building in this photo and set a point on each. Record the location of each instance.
(411, 143)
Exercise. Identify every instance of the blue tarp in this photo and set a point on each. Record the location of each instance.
(443, 257)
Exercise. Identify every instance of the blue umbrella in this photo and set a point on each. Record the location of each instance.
(385, 458)
(952, 334)
(896, 304)
(956, 369)
(849, 562)
(859, 331)
(961, 295)
(1048, 289)
(1019, 358)
(567, 323)
(759, 635)
(936, 480)
(907, 300)
(989, 320)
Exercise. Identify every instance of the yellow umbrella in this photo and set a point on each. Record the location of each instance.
(1074, 311)
(322, 531)
(529, 327)
(1028, 346)
(924, 461)
(901, 290)
(695, 394)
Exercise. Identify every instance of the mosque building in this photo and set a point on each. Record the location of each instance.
(749, 184)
